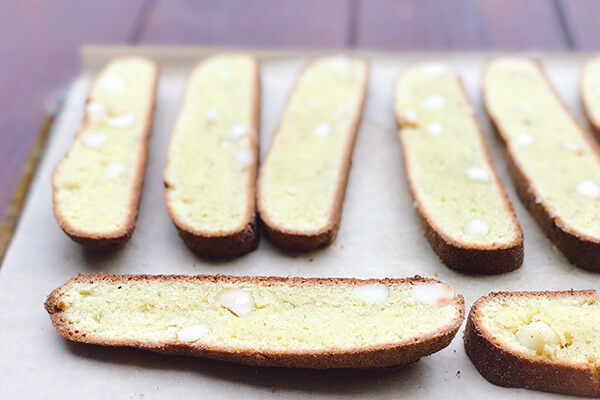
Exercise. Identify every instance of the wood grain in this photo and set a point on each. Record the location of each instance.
(581, 23)
(257, 23)
(459, 24)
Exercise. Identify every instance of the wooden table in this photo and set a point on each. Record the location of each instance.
(40, 42)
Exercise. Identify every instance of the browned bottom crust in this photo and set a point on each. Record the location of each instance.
(469, 260)
(501, 367)
(224, 247)
(94, 244)
(579, 250)
(400, 353)
(300, 242)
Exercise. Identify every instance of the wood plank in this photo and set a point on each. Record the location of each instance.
(40, 53)
(257, 23)
(459, 24)
(581, 22)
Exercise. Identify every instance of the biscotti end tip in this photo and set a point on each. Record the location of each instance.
(526, 339)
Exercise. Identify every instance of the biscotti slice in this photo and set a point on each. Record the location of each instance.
(590, 93)
(548, 341)
(210, 176)
(264, 321)
(466, 214)
(97, 186)
(554, 164)
(302, 180)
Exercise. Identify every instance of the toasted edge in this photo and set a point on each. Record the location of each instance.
(245, 238)
(503, 366)
(403, 352)
(594, 123)
(118, 237)
(580, 249)
(460, 256)
(309, 240)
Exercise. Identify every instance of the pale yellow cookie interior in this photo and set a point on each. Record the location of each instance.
(590, 87)
(545, 142)
(307, 159)
(284, 317)
(442, 146)
(213, 154)
(573, 321)
(94, 183)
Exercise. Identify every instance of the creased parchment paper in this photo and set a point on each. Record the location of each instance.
(379, 237)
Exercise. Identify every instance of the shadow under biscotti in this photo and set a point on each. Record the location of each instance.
(403, 379)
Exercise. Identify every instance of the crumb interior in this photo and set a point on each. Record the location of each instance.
(95, 183)
(212, 154)
(285, 317)
(443, 149)
(308, 159)
(555, 156)
(574, 319)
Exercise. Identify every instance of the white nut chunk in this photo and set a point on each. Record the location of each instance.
(114, 169)
(238, 301)
(589, 189)
(192, 333)
(322, 130)
(409, 116)
(536, 335)
(376, 292)
(434, 294)
(211, 114)
(524, 139)
(123, 121)
(94, 139)
(113, 84)
(475, 173)
(476, 227)
(96, 111)
(434, 128)
(434, 102)
(239, 130)
(244, 156)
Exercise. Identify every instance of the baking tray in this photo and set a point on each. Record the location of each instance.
(380, 236)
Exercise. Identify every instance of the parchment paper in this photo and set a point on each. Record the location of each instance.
(379, 237)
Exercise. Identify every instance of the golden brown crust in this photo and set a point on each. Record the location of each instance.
(504, 366)
(244, 239)
(400, 353)
(580, 249)
(304, 240)
(118, 237)
(493, 259)
(594, 123)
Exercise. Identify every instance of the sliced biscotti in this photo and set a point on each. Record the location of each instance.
(590, 93)
(554, 164)
(548, 341)
(467, 217)
(266, 321)
(302, 180)
(97, 186)
(210, 176)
